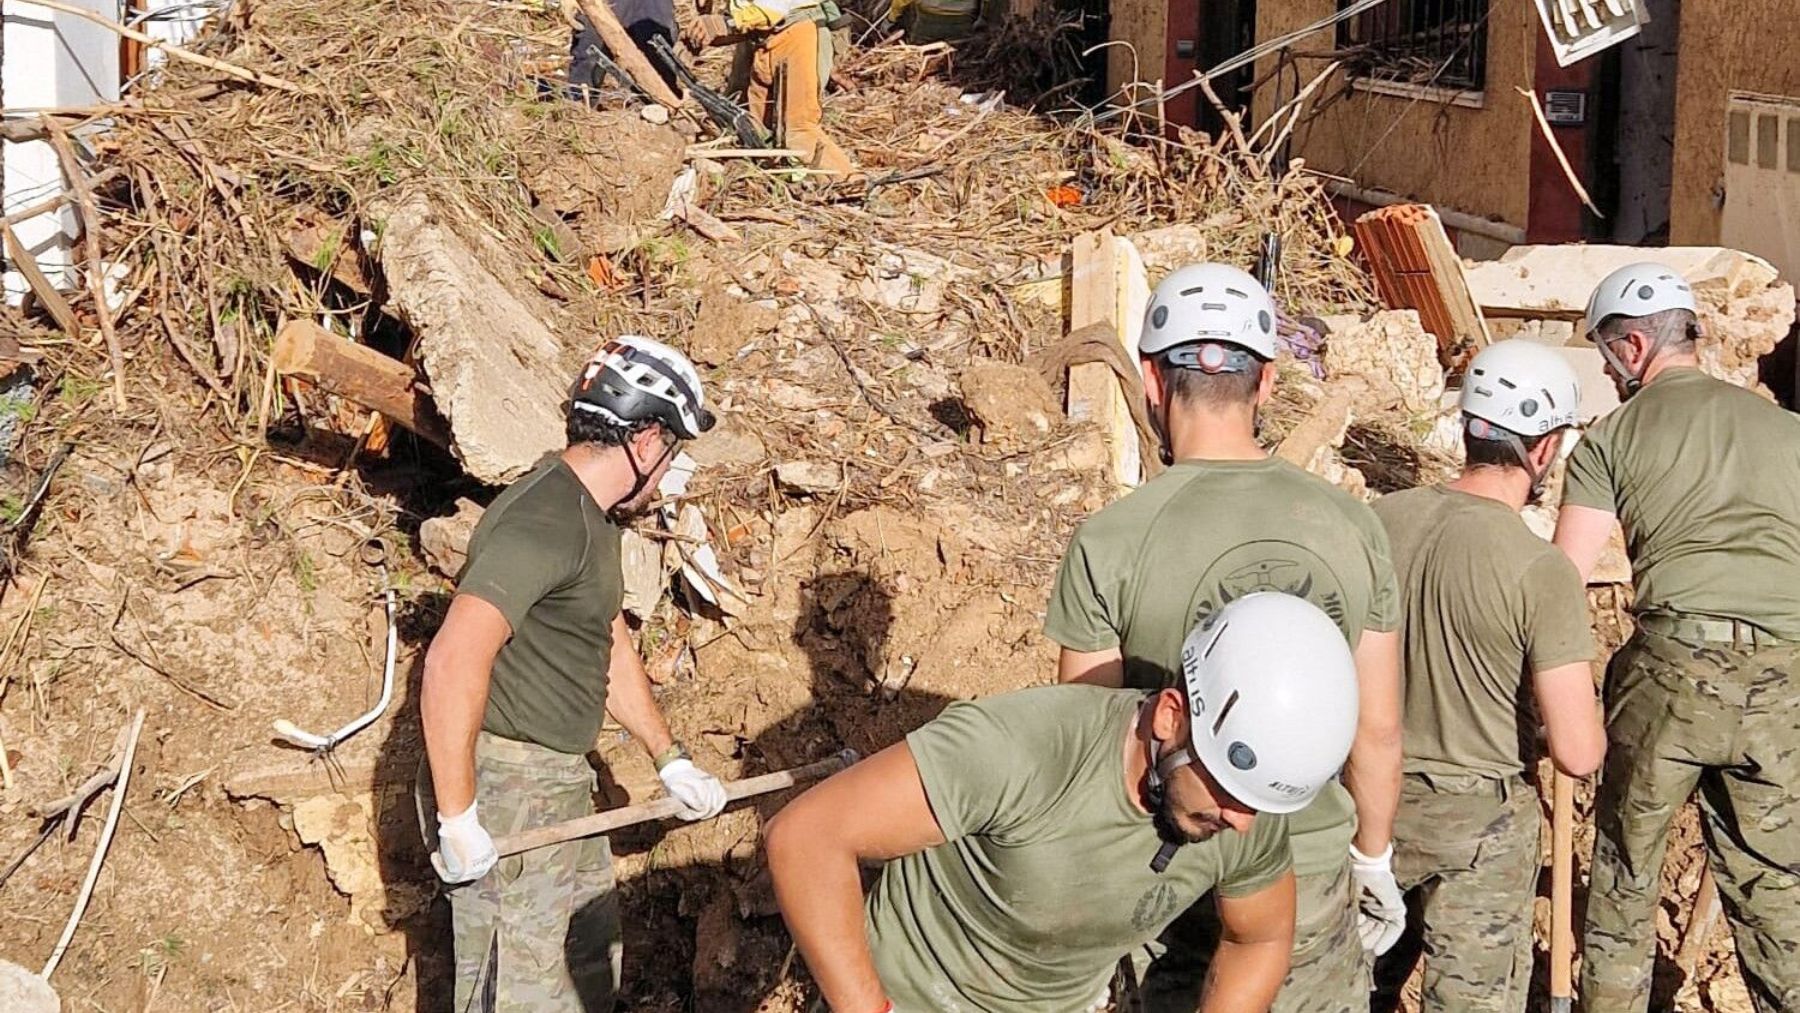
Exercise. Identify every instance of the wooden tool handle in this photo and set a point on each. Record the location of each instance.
(1562, 891)
(663, 808)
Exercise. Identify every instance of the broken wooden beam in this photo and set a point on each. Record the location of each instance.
(1107, 285)
(1415, 267)
(358, 373)
(626, 53)
(325, 245)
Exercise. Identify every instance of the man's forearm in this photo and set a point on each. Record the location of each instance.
(819, 889)
(1373, 778)
(1245, 977)
(628, 696)
(451, 704)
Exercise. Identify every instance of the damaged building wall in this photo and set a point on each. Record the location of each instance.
(1742, 46)
(1475, 160)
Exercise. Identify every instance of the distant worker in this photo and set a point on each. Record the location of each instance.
(643, 20)
(1492, 618)
(926, 21)
(532, 652)
(782, 64)
(1035, 837)
(1225, 520)
(1705, 478)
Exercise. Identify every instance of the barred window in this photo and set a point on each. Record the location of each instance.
(1437, 43)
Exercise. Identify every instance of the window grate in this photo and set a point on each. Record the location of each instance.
(1432, 43)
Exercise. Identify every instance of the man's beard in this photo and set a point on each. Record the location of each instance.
(1170, 831)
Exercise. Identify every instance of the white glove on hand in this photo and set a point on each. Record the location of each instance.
(1382, 906)
(700, 793)
(465, 851)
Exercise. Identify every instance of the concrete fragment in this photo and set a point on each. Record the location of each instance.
(445, 540)
(24, 992)
(343, 828)
(1010, 402)
(1392, 352)
(728, 445)
(808, 478)
(640, 563)
(493, 364)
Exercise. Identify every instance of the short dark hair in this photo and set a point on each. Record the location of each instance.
(591, 427)
(1211, 390)
(1479, 453)
(1682, 327)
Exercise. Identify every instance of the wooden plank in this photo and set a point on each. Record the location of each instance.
(1106, 283)
(46, 293)
(626, 53)
(358, 373)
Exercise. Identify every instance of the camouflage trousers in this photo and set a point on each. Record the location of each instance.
(1679, 715)
(1466, 852)
(541, 931)
(1329, 972)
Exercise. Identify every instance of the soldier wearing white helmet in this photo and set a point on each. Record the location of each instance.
(1493, 617)
(1032, 839)
(1224, 521)
(532, 653)
(1705, 479)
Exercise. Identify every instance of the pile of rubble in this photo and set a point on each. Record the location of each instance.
(925, 380)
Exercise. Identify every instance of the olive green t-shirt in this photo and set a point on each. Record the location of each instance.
(1044, 881)
(1705, 478)
(1142, 573)
(546, 556)
(1483, 602)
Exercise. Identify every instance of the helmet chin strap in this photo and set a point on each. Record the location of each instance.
(1482, 429)
(640, 479)
(1634, 380)
(1162, 766)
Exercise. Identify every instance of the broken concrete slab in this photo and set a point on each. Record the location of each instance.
(24, 992)
(494, 366)
(641, 564)
(1745, 309)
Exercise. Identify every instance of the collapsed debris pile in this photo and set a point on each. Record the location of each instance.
(413, 223)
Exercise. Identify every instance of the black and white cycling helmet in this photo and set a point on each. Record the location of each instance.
(633, 379)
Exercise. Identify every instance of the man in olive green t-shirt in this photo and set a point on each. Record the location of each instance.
(1225, 520)
(1493, 617)
(1033, 838)
(1705, 479)
(531, 654)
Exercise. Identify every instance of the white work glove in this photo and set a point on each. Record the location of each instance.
(465, 851)
(700, 794)
(1382, 907)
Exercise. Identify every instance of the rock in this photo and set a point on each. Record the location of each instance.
(493, 364)
(1393, 352)
(445, 540)
(1010, 403)
(910, 281)
(808, 478)
(728, 445)
(24, 992)
(654, 113)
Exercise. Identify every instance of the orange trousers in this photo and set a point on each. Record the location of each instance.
(798, 55)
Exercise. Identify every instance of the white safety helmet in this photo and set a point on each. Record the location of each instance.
(632, 379)
(1637, 290)
(1272, 695)
(1206, 303)
(1521, 386)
